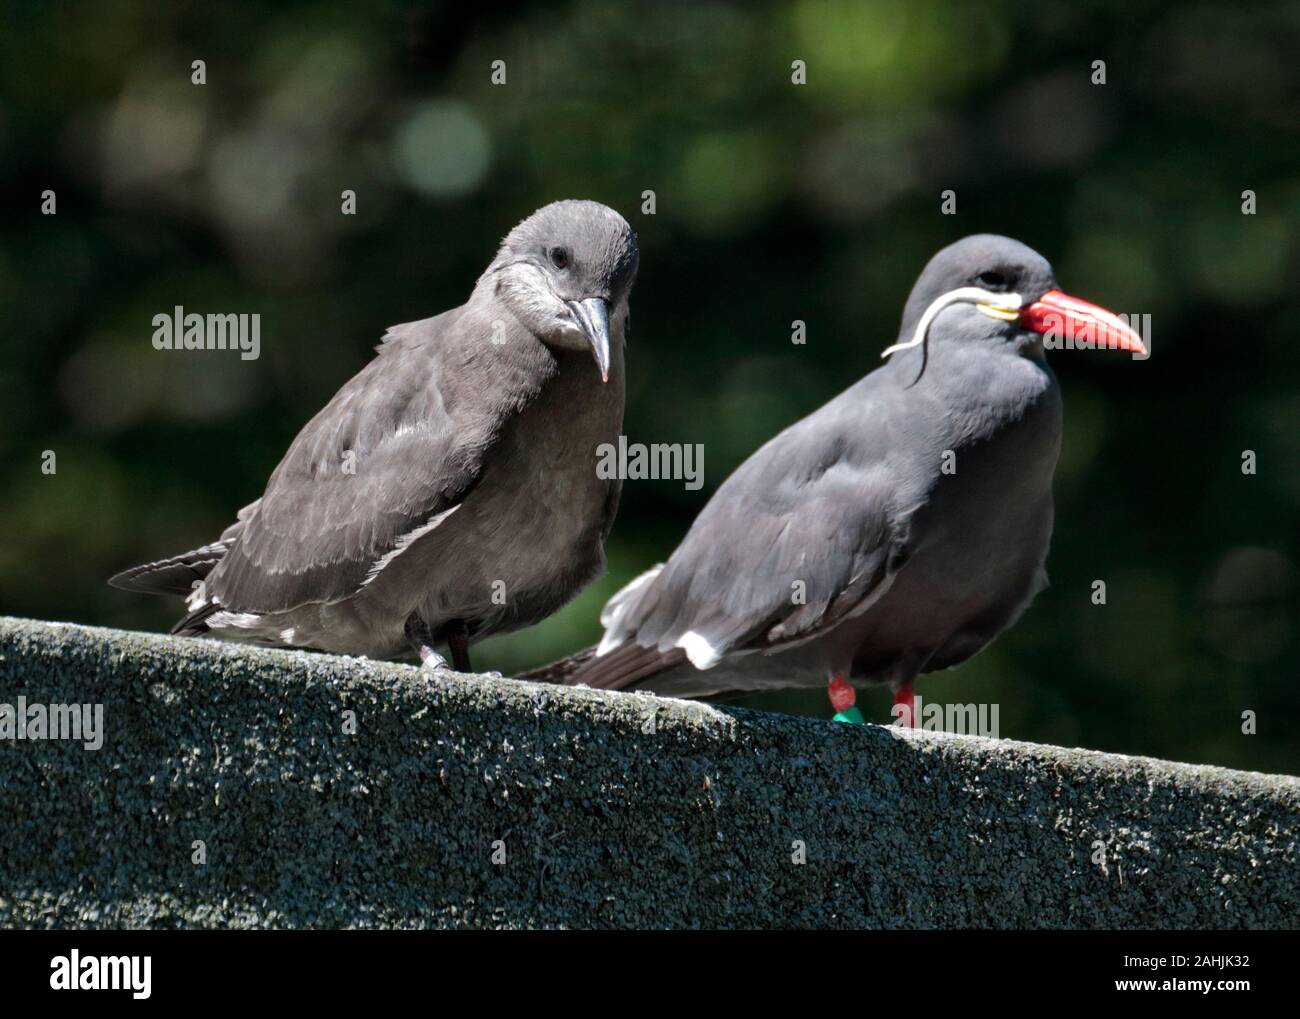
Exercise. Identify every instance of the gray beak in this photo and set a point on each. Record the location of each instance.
(592, 316)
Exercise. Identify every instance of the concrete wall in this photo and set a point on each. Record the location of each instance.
(606, 819)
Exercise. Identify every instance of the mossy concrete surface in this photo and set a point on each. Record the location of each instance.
(325, 791)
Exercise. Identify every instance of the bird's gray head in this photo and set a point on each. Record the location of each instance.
(566, 272)
(995, 290)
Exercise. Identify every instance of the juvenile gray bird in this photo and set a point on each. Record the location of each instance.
(893, 532)
(448, 491)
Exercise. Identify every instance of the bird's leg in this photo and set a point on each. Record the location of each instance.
(905, 697)
(420, 637)
(843, 697)
(458, 641)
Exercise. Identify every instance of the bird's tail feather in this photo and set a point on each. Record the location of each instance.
(620, 669)
(560, 671)
(174, 575)
(194, 624)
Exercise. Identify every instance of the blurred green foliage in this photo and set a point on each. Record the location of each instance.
(775, 202)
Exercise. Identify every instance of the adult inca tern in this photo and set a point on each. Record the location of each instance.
(893, 532)
(449, 490)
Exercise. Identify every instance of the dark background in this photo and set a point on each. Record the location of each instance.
(775, 203)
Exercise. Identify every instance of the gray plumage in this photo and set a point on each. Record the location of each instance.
(841, 547)
(473, 505)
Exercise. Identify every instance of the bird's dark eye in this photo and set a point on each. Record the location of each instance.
(993, 280)
(559, 257)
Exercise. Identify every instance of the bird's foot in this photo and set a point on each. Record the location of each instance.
(431, 661)
(905, 705)
(420, 637)
(843, 698)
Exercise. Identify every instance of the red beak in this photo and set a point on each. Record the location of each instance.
(1068, 318)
